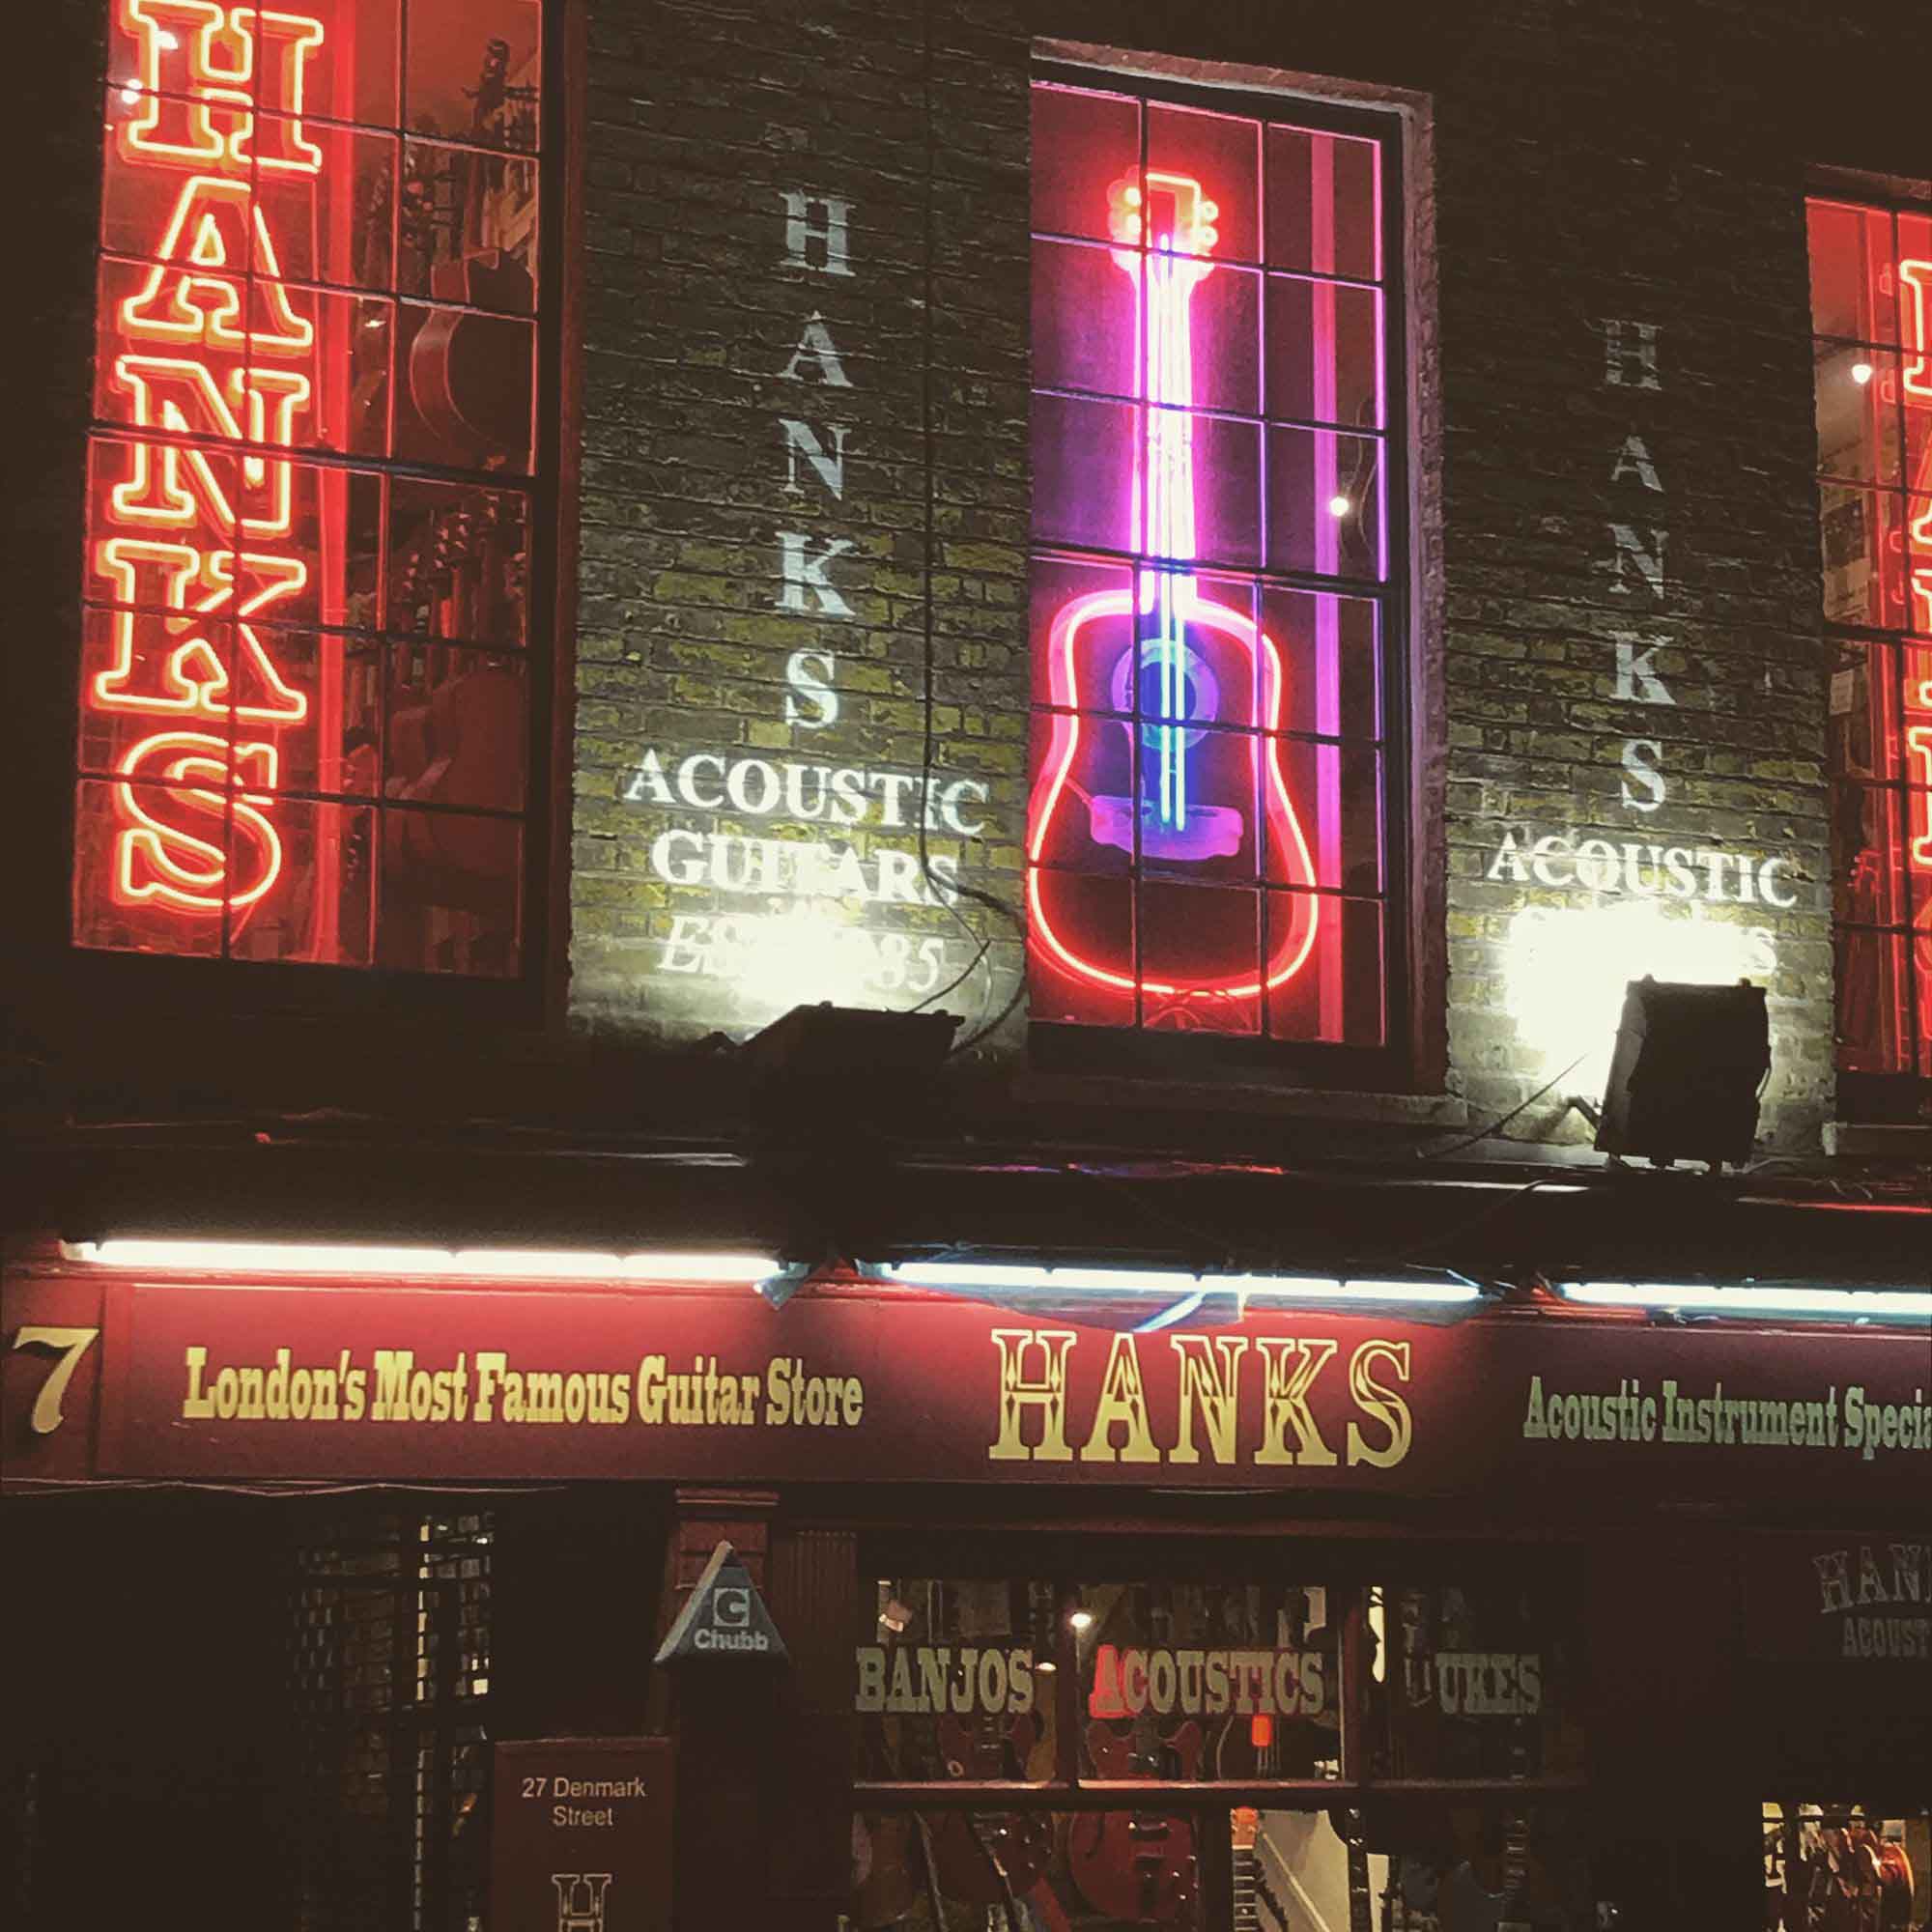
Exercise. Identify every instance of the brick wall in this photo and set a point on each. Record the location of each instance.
(804, 471)
(1626, 631)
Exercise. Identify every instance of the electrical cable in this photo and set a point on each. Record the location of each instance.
(1503, 1121)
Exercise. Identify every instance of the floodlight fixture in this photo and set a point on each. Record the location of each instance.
(1686, 1073)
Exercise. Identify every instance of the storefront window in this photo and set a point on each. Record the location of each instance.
(1230, 1681)
(1213, 1751)
(1216, 572)
(1850, 1866)
(1871, 301)
(310, 654)
(1480, 1683)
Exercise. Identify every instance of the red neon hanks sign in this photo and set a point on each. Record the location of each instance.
(190, 541)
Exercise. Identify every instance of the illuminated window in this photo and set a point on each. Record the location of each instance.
(1871, 317)
(1217, 555)
(309, 644)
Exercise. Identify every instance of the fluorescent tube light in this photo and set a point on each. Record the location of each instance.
(517, 1264)
(1881, 1303)
(989, 1276)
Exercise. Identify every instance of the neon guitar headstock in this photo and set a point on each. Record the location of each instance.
(1169, 212)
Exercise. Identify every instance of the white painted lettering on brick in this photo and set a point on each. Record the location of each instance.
(1643, 551)
(803, 571)
(1640, 760)
(1634, 460)
(1630, 350)
(815, 235)
(811, 702)
(815, 345)
(1638, 681)
(802, 440)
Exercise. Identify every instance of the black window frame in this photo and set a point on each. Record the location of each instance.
(1862, 1095)
(1212, 1058)
(88, 978)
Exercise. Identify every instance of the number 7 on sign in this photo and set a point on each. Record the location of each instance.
(71, 1343)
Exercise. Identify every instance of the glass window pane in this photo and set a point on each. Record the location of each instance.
(1083, 143)
(1849, 542)
(458, 727)
(465, 389)
(1850, 247)
(1223, 455)
(448, 893)
(320, 912)
(948, 1681)
(1224, 334)
(1084, 319)
(1324, 818)
(1858, 422)
(472, 71)
(1329, 658)
(457, 563)
(119, 831)
(1324, 502)
(1083, 623)
(1324, 204)
(1206, 160)
(1325, 969)
(335, 224)
(1081, 926)
(1086, 770)
(1324, 351)
(1200, 956)
(1084, 464)
(1482, 1681)
(1083, 1871)
(467, 232)
(1174, 1678)
(1875, 1000)
(1863, 701)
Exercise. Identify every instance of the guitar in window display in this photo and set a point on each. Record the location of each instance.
(1184, 774)
(1138, 1867)
(470, 368)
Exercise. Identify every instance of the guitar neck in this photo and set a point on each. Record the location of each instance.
(1247, 1916)
(1514, 1915)
(1168, 483)
(1362, 1907)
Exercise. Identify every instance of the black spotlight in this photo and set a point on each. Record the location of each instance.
(1685, 1078)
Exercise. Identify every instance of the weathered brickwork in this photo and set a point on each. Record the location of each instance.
(1615, 321)
(805, 280)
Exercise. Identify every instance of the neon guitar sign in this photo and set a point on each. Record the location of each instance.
(1188, 769)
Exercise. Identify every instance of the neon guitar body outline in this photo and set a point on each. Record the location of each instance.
(1171, 636)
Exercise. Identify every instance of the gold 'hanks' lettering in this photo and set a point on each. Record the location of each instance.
(1296, 1380)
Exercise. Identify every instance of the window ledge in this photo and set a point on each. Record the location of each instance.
(1860, 1139)
(1407, 1110)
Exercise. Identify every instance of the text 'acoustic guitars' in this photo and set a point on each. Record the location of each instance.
(1186, 773)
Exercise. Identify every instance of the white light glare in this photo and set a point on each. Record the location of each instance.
(322, 1257)
(1879, 1302)
(1339, 506)
(1566, 969)
(1171, 1282)
(130, 93)
(1862, 373)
